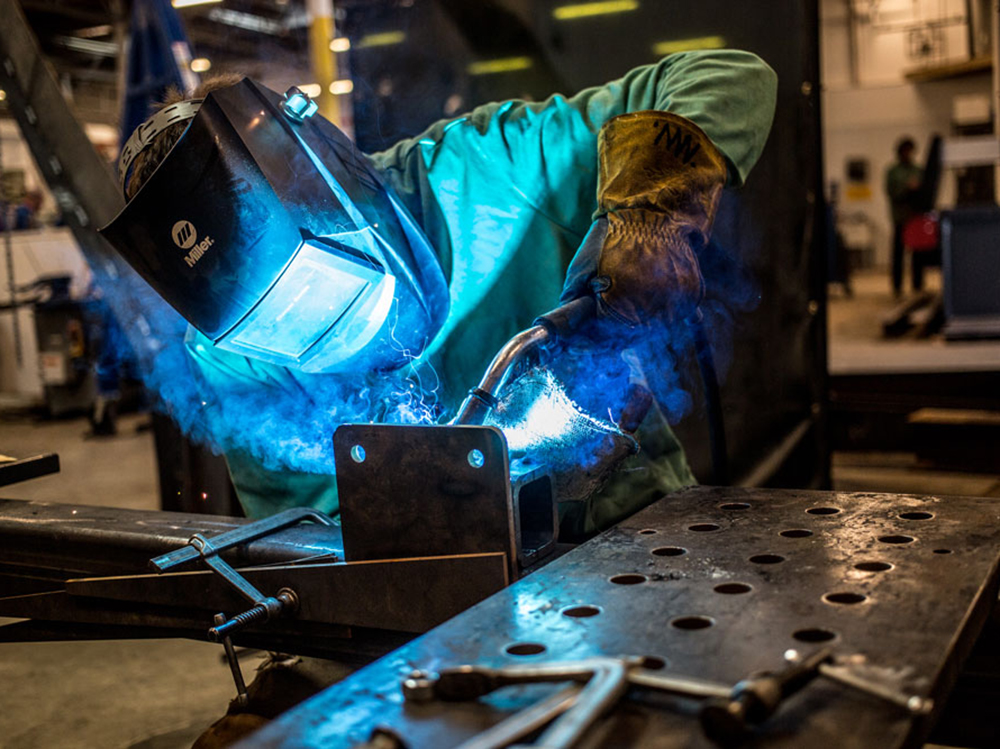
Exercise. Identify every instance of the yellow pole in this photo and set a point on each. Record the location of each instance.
(323, 61)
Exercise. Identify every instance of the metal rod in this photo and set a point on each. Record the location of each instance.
(911, 702)
(482, 399)
(526, 722)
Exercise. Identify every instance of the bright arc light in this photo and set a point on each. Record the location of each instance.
(312, 90)
(200, 65)
(3, 94)
(661, 49)
(191, 3)
(384, 39)
(344, 86)
(502, 65)
(340, 44)
(586, 10)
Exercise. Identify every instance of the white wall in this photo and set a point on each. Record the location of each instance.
(866, 117)
(35, 252)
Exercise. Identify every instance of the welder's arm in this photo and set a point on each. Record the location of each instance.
(547, 151)
(660, 179)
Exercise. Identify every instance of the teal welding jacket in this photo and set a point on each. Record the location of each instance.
(506, 194)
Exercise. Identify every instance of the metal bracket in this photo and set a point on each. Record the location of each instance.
(415, 491)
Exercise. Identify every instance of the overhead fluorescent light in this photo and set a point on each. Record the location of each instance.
(247, 21)
(90, 46)
(312, 90)
(383, 39)
(345, 86)
(200, 65)
(190, 3)
(586, 10)
(340, 44)
(501, 65)
(686, 45)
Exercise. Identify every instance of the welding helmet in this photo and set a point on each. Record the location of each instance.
(272, 234)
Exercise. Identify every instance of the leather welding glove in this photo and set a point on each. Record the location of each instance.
(659, 184)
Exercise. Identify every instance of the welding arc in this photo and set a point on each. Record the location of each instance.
(713, 404)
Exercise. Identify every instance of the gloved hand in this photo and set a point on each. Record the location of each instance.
(658, 190)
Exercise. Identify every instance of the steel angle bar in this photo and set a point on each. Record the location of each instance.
(407, 595)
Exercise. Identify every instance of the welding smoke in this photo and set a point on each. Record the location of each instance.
(288, 422)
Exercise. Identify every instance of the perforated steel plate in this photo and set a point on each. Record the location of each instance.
(718, 583)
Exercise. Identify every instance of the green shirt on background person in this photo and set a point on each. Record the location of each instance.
(901, 180)
(505, 195)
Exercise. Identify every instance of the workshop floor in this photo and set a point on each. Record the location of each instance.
(142, 694)
(856, 346)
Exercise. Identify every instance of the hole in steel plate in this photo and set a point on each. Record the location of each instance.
(823, 510)
(735, 506)
(732, 589)
(767, 558)
(692, 622)
(647, 532)
(796, 533)
(703, 527)
(844, 598)
(896, 539)
(814, 635)
(628, 578)
(358, 454)
(668, 551)
(653, 662)
(581, 612)
(873, 566)
(942, 551)
(524, 648)
(476, 458)
(916, 515)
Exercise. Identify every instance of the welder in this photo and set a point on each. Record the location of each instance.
(434, 252)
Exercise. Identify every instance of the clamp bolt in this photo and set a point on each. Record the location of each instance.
(297, 105)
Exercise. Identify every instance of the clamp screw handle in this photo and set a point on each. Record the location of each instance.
(269, 608)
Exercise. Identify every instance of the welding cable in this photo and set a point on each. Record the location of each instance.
(713, 402)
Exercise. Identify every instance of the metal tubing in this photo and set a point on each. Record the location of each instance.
(480, 401)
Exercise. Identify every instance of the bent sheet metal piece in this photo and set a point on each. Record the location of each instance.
(717, 584)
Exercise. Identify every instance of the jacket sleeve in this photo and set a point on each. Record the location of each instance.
(547, 150)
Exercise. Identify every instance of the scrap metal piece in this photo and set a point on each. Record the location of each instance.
(16, 470)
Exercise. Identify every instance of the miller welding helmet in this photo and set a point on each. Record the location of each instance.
(271, 233)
